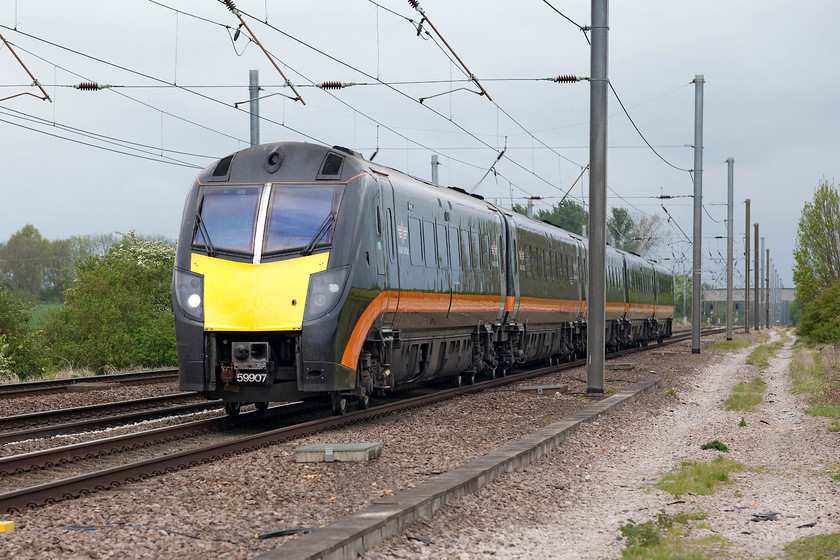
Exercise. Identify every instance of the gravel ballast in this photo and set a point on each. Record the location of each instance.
(218, 508)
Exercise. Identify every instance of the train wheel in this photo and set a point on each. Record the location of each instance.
(339, 403)
(491, 373)
(363, 402)
(470, 379)
(261, 406)
(232, 408)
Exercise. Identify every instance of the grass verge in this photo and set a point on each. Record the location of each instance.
(819, 547)
(699, 478)
(815, 374)
(668, 537)
(746, 396)
(760, 357)
(742, 341)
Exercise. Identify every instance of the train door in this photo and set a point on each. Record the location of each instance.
(512, 270)
(387, 263)
(580, 273)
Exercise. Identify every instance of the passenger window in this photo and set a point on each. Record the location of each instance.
(442, 247)
(454, 252)
(415, 241)
(485, 251)
(475, 249)
(429, 243)
(465, 249)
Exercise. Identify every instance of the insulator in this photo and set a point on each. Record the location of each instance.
(333, 85)
(414, 3)
(230, 5)
(566, 79)
(88, 86)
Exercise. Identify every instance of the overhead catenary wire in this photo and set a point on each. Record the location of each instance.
(362, 72)
(156, 79)
(626, 112)
(143, 103)
(102, 137)
(158, 160)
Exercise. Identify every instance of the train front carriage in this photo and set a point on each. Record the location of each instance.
(271, 239)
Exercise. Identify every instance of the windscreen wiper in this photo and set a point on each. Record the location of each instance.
(324, 227)
(211, 250)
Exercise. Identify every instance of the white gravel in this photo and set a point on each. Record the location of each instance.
(573, 503)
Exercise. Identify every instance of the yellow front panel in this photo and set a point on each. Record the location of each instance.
(255, 297)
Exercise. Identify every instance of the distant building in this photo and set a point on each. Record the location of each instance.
(714, 306)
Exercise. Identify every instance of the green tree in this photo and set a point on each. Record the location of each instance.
(25, 256)
(817, 251)
(118, 312)
(622, 230)
(568, 215)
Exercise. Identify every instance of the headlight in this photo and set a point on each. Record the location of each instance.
(325, 289)
(189, 293)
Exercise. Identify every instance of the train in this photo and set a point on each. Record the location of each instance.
(305, 271)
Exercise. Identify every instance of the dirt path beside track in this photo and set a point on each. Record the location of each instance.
(573, 503)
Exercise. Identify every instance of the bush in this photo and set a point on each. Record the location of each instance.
(820, 319)
(118, 313)
(21, 352)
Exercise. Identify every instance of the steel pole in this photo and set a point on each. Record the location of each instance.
(757, 281)
(698, 214)
(596, 306)
(747, 274)
(729, 247)
(759, 311)
(766, 288)
(253, 95)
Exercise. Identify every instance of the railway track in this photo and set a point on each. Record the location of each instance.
(84, 484)
(163, 409)
(51, 386)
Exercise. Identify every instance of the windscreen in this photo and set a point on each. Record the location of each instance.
(228, 216)
(300, 216)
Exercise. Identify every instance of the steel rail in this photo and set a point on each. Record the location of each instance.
(106, 422)
(61, 385)
(81, 485)
(78, 411)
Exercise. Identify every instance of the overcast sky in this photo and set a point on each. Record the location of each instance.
(771, 102)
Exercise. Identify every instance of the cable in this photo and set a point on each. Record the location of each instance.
(95, 135)
(339, 61)
(365, 115)
(583, 28)
(103, 147)
(710, 216)
(640, 132)
(153, 78)
(139, 101)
